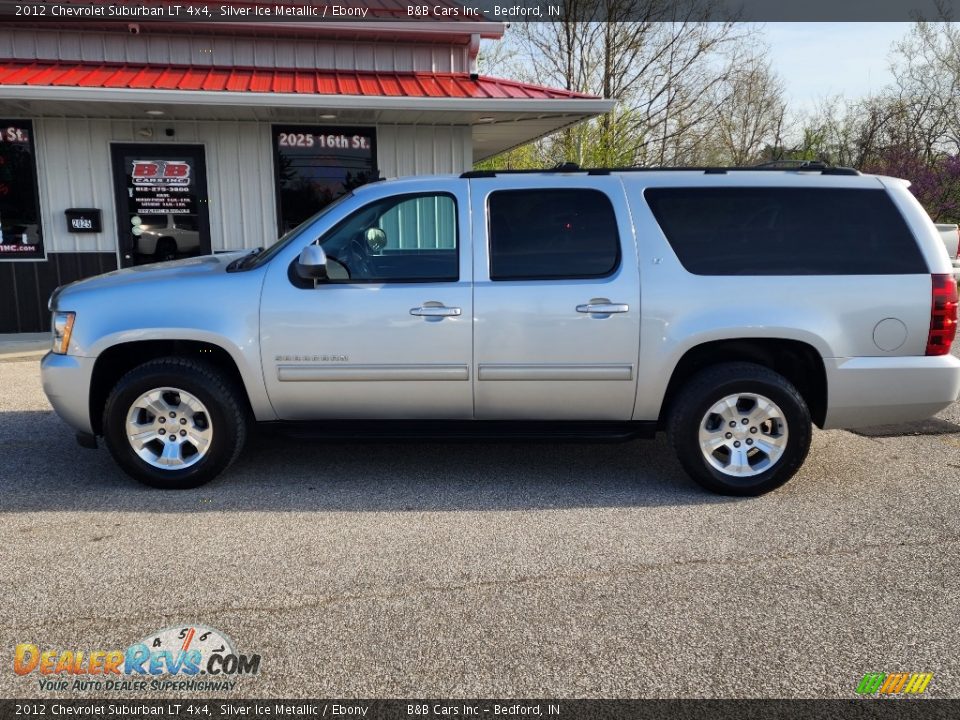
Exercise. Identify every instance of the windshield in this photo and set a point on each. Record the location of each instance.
(268, 254)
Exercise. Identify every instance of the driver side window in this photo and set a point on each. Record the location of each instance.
(410, 238)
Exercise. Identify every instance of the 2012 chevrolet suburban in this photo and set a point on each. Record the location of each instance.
(732, 308)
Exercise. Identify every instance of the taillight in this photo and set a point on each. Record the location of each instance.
(943, 315)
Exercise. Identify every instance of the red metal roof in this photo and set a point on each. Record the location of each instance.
(143, 76)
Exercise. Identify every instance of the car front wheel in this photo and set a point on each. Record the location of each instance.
(740, 429)
(174, 423)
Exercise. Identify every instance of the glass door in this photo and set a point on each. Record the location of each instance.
(162, 206)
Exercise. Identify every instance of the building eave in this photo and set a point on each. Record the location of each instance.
(496, 124)
(579, 106)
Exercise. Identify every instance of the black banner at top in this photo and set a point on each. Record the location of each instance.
(480, 11)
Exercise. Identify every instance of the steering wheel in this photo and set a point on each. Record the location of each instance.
(354, 257)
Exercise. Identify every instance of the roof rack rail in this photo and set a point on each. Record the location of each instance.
(567, 167)
(799, 166)
(822, 166)
(787, 163)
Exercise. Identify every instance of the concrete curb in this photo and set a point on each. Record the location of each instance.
(23, 345)
(21, 355)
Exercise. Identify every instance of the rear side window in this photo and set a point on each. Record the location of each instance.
(786, 231)
(552, 234)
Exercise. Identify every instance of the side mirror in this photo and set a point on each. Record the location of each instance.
(312, 263)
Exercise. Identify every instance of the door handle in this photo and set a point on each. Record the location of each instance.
(603, 308)
(435, 311)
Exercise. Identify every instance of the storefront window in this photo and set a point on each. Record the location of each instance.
(314, 166)
(19, 210)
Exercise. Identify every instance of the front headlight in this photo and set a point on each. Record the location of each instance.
(62, 327)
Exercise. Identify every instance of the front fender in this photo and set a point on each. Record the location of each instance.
(245, 355)
(170, 304)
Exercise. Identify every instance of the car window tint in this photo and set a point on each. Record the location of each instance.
(785, 231)
(544, 234)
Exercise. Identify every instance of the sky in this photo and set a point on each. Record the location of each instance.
(818, 60)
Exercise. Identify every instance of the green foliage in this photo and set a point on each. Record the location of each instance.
(525, 157)
(601, 142)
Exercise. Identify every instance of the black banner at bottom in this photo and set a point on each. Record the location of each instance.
(894, 709)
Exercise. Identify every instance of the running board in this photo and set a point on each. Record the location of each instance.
(463, 430)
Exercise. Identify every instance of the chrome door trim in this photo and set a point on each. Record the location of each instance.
(370, 373)
(550, 371)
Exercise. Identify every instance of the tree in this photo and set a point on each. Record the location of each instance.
(935, 184)
(848, 133)
(692, 93)
(651, 57)
(926, 69)
(749, 110)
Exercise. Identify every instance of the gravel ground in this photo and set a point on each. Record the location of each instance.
(491, 570)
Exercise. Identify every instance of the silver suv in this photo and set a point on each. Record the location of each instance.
(731, 308)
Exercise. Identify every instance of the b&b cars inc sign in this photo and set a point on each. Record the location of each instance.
(162, 187)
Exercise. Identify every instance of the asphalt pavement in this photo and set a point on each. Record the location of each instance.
(490, 570)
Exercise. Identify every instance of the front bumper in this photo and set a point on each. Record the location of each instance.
(66, 382)
(868, 391)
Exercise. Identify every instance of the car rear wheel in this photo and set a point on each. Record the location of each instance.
(740, 429)
(174, 423)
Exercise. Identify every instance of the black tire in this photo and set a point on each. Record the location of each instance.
(166, 249)
(219, 395)
(712, 385)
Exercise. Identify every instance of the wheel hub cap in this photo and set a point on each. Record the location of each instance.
(169, 428)
(744, 434)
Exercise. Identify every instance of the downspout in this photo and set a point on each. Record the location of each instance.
(473, 50)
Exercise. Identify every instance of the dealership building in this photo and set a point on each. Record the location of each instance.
(128, 143)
